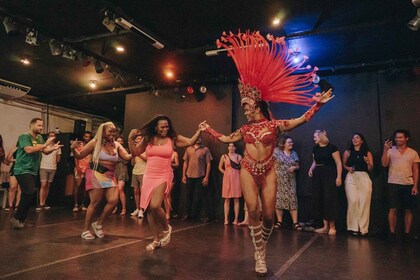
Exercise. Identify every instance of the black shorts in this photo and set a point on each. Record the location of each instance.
(400, 196)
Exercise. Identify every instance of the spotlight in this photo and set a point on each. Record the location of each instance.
(169, 73)
(25, 61)
(316, 79)
(98, 67)
(414, 24)
(190, 90)
(203, 89)
(276, 21)
(120, 49)
(56, 47)
(92, 84)
(10, 26)
(32, 37)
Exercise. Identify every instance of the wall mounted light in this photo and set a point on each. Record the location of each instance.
(92, 84)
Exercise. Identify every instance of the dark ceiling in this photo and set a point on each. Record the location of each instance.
(336, 35)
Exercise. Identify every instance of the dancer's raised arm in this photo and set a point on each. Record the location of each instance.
(182, 141)
(290, 124)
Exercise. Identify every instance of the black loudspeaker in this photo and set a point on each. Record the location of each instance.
(79, 128)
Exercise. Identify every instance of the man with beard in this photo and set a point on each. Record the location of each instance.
(29, 148)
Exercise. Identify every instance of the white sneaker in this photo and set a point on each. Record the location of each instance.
(141, 214)
(135, 212)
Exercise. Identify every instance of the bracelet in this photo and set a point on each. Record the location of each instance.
(213, 132)
(313, 110)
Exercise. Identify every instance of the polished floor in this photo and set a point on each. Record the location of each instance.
(50, 247)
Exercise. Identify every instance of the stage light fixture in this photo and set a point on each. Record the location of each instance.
(190, 90)
(92, 84)
(110, 25)
(276, 21)
(120, 49)
(86, 61)
(122, 22)
(10, 26)
(56, 47)
(69, 53)
(414, 24)
(316, 79)
(98, 67)
(25, 61)
(32, 37)
(203, 89)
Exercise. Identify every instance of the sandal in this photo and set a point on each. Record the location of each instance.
(166, 237)
(87, 235)
(278, 225)
(297, 227)
(153, 246)
(98, 229)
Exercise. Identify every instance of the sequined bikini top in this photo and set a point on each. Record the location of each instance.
(260, 132)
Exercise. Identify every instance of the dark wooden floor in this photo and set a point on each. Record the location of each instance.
(51, 248)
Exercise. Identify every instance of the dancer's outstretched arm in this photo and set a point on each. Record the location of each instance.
(182, 141)
(323, 98)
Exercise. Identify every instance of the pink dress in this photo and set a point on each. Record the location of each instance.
(158, 171)
(231, 182)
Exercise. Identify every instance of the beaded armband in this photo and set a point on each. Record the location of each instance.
(312, 111)
(213, 132)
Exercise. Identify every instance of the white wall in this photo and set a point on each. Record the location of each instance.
(15, 116)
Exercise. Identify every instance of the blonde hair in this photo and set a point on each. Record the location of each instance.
(99, 143)
(323, 137)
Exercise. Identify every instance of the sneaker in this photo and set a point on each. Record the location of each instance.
(140, 214)
(46, 207)
(135, 212)
(83, 208)
(75, 209)
(39, 208)
(7, 208)
(16, 224)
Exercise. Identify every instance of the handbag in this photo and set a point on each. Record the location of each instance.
(234, 165)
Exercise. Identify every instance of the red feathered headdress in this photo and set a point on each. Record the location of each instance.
(266, 70)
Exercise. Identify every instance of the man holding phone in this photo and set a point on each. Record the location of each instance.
(403, 178)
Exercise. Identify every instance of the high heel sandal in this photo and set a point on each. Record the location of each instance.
(153, 246)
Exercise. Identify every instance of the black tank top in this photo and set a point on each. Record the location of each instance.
(356, 161)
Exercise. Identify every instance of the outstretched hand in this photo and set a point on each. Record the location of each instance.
(75, 144)
(57, 146)
(325, 96)
(203, 126)
(133, 133)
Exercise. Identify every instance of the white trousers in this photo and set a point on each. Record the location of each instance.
(359, 192)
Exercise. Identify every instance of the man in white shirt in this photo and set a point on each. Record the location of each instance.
(47, 172)
(403, 179)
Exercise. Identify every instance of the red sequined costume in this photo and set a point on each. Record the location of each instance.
(267, 73)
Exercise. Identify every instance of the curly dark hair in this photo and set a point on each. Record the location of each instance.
(363, 148)
(149, 129)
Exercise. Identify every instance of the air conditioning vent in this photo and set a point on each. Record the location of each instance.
(9, 90)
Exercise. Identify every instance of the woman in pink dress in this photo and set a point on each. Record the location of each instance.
(230, 167)
(159, 138)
